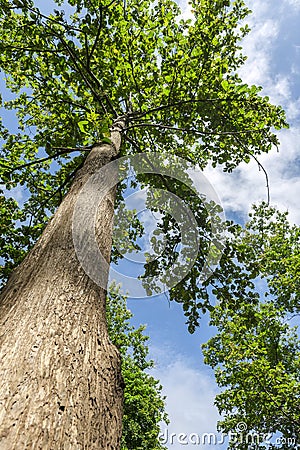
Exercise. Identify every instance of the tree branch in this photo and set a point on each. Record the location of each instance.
(50, 19)
(266, 176)
(59, 189)
(62, 151)
(252, 155)
(190, 130)
(137, 115)
(29, 49)
(132, 69)
(97, 37)
(75, 60)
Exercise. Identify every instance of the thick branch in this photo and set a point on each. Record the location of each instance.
(137, 115)
(190, 130)
(29, 49)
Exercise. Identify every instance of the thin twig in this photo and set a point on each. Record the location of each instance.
(97, 36)
(64, 24)
(236, 137)
(266, 175)
(132, 69)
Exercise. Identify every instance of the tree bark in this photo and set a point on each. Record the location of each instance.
(60, 376)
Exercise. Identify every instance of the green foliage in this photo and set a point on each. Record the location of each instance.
(13, 238)
(73, 71)
(256, 352)
(143, 401)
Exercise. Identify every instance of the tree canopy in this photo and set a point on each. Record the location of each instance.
(74, 70)
(256, 350)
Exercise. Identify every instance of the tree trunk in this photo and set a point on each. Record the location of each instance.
(60, 376)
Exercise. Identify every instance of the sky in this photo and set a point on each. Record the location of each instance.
(273, 50)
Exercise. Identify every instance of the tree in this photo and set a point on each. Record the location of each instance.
(256, 351)
(93, 81)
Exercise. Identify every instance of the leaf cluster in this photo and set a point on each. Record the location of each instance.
(73, 71)
(256, 351)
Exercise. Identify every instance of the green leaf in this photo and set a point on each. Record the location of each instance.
(106, 140)
(82, 124)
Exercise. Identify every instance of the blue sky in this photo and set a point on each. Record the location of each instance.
(273, 50)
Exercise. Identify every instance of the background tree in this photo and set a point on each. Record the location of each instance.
(92, 81)
(256, 351)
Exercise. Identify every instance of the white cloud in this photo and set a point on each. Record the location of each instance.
(190, 396)
(18, 193)
(264, 46)
(247, 184)
(272, 40)
(186, 10)
(256, 46)
(295, 4)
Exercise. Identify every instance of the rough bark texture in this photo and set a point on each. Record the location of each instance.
(60, 377)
